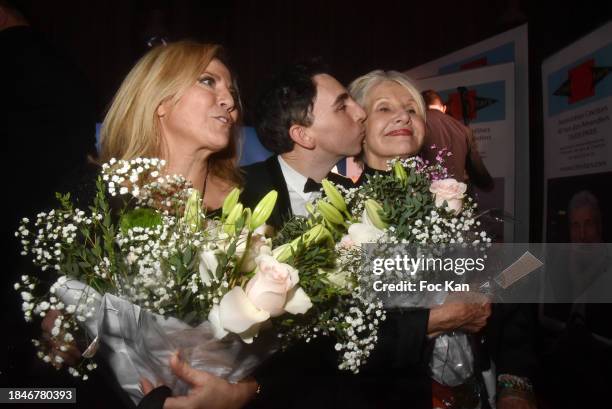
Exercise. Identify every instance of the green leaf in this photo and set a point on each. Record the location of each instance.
(187, 257)
(143, 217)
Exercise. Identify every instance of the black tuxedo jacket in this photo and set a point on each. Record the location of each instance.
(262, 177)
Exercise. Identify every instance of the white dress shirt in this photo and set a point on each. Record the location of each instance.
(295, 185)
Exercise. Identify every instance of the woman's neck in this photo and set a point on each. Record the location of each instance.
(376, 162)
(192, 166)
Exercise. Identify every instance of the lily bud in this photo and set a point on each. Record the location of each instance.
(192, 210)
(229, 202)
(263, 210)
(282, 253)
(335, 197)
(373, 210)
(230, 223)
(247, 215)
(400, 173)
(309, 208)
(315, 235)
(330, 213)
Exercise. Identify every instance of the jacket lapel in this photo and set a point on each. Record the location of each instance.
(282, 210)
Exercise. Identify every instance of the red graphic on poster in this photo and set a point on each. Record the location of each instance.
(581, 81)
(481, 62)
(454, 105)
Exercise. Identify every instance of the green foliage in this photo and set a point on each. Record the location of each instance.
(291, 230)
(141, 217)
(402, 204)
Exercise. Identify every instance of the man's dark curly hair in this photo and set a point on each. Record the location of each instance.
(287, 100)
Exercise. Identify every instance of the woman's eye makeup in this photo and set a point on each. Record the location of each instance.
(207, 80)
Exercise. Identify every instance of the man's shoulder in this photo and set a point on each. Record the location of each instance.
(436, 119)
(434, 114)
(340, 180)
(260, 177)
(258, 168)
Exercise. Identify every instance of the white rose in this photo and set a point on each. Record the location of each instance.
(237, 314)
(298, 301)
(215, 321)
(272, 281)
(208, 266)
(449, 190)
(363, 233)
(340, 279)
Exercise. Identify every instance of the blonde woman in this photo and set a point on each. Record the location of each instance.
(180, 103)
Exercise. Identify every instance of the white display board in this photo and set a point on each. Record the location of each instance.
(508, 47)
(492, 119)
(577, 103)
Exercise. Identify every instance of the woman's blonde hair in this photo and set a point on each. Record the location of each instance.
(360, 87)
(131, 127)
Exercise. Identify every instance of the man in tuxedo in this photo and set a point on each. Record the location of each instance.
(307, 118)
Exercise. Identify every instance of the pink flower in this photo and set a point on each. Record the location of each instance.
(271, 292)
(449, 191)
(269, 287)
(347, 242)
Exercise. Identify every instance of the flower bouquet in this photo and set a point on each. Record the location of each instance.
(415, 204)
(145, 272)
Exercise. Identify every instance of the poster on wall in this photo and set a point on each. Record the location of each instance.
(577, 87)
(489, 95)
(508, 47)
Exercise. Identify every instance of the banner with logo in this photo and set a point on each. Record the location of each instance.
(488, 94)
(577, 87)
(508, 47)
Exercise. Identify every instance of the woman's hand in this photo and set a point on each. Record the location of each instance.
(207, 391)
(466, 314)
(71, 354)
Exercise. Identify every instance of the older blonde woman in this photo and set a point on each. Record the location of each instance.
(395, 127)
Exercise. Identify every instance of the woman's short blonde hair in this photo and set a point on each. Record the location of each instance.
(360, 87)
(131, 127)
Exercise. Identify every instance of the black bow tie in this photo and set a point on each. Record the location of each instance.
(312, 186)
